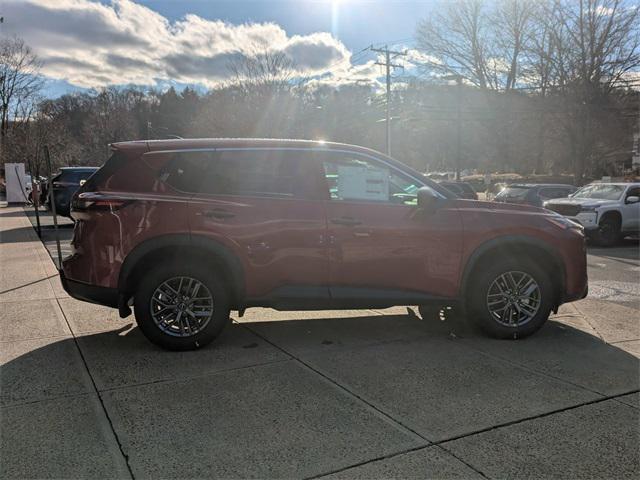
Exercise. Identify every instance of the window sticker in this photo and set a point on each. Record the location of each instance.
(362, 183)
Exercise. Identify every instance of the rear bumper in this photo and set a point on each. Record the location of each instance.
(90, 293)
(573, 297)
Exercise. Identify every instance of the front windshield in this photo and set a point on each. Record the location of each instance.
(600, 192)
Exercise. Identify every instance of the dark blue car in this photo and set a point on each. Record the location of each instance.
(534, 194)
(65, 183)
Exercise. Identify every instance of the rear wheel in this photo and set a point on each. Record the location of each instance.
(181, 307)
(608, 233)
(511, 299)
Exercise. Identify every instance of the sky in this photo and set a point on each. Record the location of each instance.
(91, 44)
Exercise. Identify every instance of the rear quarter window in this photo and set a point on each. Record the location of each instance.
(267, 173)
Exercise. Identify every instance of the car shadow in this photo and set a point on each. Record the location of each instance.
(437, 377)
(17, 235)
(123, 356)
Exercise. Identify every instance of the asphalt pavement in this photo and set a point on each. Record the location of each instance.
(330, 394)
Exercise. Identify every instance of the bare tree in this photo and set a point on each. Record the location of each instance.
(263, 72)
(479, 40)
(596, 43)
(19, 81)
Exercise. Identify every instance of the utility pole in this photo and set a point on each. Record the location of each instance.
(389, 55)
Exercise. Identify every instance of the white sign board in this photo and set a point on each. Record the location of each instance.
(362, 183)
(16, 182)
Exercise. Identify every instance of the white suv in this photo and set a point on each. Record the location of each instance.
(607, 211)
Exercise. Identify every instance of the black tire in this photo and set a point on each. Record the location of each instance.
(478, 310)
(156, 277)
(608, 233)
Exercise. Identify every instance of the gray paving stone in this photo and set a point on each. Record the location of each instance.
(613, 322)
(89, 318)
(633, 399)
(430, 462)
(273, 421)
(594, 441)
(253, 315)
(564, 352)
(37, 369)
(126, 357)
(632, 347)
(443, 389)
(31, 319)
(63, 438)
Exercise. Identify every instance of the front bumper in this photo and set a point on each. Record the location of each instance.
(90, 293)
(589, 220)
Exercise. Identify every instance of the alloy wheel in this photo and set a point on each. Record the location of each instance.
(181, 306)
(513, 298)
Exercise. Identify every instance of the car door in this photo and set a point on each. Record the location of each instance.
(381, 244)
(631, 211)
(262, 205)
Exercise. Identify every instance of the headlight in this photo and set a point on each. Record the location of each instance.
(588, 208)
(565, 223)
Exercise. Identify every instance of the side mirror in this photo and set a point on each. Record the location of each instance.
(427, 199)
(630, 199)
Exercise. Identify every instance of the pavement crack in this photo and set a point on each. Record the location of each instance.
(360, 399)
(535, 417)
(98, 393)
(27, 284)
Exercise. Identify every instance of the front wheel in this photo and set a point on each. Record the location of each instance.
(181, 307)
(608, 233)
(511, 299)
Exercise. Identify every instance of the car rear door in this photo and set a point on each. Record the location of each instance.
(263, 205)
(381, 244)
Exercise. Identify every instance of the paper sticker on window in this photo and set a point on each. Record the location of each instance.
(362, 183)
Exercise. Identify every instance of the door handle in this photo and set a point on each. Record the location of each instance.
(218, 213)
(348, 221)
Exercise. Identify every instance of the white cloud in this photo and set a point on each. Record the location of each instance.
(90, 44)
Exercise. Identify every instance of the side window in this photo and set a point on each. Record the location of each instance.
(547, 193)
(550, 193)
(633, 192)
(185, 171)
(353, 177)
(268, 173)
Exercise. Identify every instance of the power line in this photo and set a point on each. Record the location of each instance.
(389, 55)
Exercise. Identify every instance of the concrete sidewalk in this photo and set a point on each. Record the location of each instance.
(349, 394)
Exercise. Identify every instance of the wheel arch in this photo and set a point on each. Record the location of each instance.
(146, 253)
(515, 245)
(616, 214)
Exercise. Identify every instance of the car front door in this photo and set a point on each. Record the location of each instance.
(631, 211)
(262, 205)
(381, 244)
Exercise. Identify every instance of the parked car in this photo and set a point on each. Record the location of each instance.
(533, 194)
(607, 211)
(65, 183)
(461, 189)
(187, 230)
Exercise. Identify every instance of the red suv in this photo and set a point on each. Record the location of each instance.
(187, 230)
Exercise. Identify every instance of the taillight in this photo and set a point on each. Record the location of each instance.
(93, 202)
